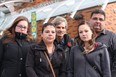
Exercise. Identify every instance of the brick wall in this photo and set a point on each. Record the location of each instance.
(111, 17)
(72, 29)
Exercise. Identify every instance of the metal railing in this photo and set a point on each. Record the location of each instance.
(38, 6)
(8, 1)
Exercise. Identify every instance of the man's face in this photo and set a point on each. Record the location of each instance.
(61, 30)
(98, 22)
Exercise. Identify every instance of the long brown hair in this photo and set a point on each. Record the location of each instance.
(10, 32)
(79, 41)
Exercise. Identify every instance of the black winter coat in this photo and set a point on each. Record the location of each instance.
(79, 66)
(38, 66)
(12, 58)
(66, 43)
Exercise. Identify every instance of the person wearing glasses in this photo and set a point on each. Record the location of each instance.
(14, 45)
(97, 21)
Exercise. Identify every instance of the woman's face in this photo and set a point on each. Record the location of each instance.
(49, 34)
(85, 33)
(22, 27)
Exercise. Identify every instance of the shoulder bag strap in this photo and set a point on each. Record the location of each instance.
(50, 65)
(92, 65)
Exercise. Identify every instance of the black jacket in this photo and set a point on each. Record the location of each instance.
(12, 58)
(38, 66)
(66, 43)
(79, 66)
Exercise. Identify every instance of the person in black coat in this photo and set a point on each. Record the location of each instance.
(37, 64)
(14, 46)
(62, 38)
(88, 58)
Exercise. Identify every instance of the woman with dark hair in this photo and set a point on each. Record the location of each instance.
(88, 58)
(46, 59)
(14, 46)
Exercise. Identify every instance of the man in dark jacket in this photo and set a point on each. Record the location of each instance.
(97, 20)
(63, 39)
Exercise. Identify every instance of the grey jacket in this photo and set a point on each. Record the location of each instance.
(79, 67)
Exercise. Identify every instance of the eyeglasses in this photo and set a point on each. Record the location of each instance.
(100, 19)
(20, 26)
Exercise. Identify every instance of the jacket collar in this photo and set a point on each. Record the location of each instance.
(103, 32)
(42, 47)
(99, 45)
